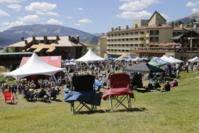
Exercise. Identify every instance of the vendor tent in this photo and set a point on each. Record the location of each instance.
(142, 67)
(52, 60)
(34, 66)
(125, 57)
(170, 59)
(136, 59)
(193, 60)
(90, 56)
(174, 60)
(155, 61)
(166, 58)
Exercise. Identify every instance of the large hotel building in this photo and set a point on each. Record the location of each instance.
(152, 37)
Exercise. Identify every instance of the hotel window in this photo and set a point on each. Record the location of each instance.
(142, 32)
(154, 39)
(154, 32)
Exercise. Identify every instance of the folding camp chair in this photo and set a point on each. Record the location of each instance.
(84, 93)
(8, 97)
(119, 91)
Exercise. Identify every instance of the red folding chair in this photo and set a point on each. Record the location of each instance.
(119, 90)
(8, 97)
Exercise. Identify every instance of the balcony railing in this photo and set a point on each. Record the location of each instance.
(165, 49)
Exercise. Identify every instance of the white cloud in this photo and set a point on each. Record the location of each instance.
(134, 15)
(3, 13)
(193, 5)
(50, 13)
(11, 1)
(135, 9)
(16, 7)
(190, 4)
(30, 18)
(7, 25)
(134, 5)
(41, 6)
(85, 21)
(195, 10)
(54, 21)
(53, 14)
(80, 9)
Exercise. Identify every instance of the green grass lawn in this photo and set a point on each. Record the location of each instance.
(173, 112)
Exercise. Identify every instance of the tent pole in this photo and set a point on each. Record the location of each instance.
(55, 79)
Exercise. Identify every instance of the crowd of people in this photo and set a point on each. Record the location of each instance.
(34, 90)
(42, 88)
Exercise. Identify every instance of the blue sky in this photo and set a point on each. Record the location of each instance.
(94, 16)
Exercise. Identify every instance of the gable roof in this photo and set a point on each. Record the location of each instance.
(156, 12)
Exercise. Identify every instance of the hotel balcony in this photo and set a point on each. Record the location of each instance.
(127, 36)
(148, 35)
(127, 42)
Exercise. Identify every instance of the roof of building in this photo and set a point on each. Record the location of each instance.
(16, 53)
(156, 12)
(143, 28)
(196, 31)
(61, 41)
(18, 44)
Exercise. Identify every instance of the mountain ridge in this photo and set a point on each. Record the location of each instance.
(14, 34)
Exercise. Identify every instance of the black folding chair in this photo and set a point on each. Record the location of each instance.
(83, 93)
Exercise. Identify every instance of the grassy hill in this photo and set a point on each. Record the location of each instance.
(156, 112)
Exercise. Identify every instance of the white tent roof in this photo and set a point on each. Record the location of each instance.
(90, 56)
(34, 66)
(195, 59)
(170, 59)
(128, 57)
(174, 60)
(136, 59)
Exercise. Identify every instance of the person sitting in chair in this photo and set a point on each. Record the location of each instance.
(54, 92)
(43, 95)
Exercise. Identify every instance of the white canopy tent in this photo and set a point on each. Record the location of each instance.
(128, 57)
(136, 59)
(90, 56)
(34, 66)
(193, 60)
(174, 60)
(170, 59)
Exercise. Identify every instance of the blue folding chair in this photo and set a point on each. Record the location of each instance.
(84, 93)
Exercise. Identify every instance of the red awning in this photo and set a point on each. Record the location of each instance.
(52, 60)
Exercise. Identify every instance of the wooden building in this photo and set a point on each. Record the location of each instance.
(68, 47)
